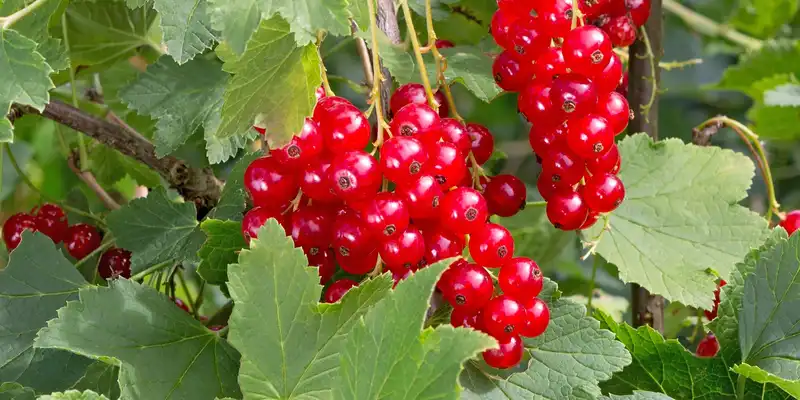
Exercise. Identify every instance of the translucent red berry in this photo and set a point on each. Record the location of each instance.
(573, 94)
(611, 76)
(312, 227)
(14, 226)
(503, 317)
(446, 164)
(468, 287)
(491, 246)
(343, 127)
(521, 278)
(614, 108)
(51, 220)
(463, 211)
(422, 196)
(563, 166)
(514, 6)
(359, 264)
(443, 44)
(386, 215)
(508, 355)
(555, 17)
(535, 105)
(115, 263)
(528, 40)
(544, 138)
(546, 186)
(405, 251)
(337, 290)
(639, 10)
(302, 150)
(418, 121)
(566, 210)
(620, 30)
(537, 317)
(708, 346)
(440, 245)
(456, 133)
(587, 50)
(407, 94)
(351, 237)
(256, 218)
(549, 64)
(81, 240)
(402, 159)
(315, 182)
(505, 195)
(590, 220)
(269, 186)
(792, 222)
(500, 28)
(603, 192)
(607, 163)
(482, 142)
(354, 176)
(510, 73)
(590, 136)
(325, 261)
(465, 319)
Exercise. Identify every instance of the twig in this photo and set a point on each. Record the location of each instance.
(96, 251)
(7, 22)
(709, 27)
(150, 270)
(387, 22)
(375, 97)
(88, 178)
(665, 65)
(702, 136)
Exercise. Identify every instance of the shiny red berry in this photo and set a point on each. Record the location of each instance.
(269, 186)
(521, 278)
(415, 93)
(566, 210)
(468, 287)
(555, 17)
(607, 163)
(549, 64)
(515, 7)
(639, 10)
(590, 136)
(505, 195)
(465, 319)
(325, 261)
(256, 218)
(405, 251)
(115, 263)
(564, 166)
(482, 142)
(359, 264)
(527, 39)
(446, 164)
(178, 302)
(510, 73)
(546, 186)
(14, 226)
(620, 30)
(315, 182)
(422, 196)
(304, 148)
(503, 317)
(708, 346)
(544, 138)
(535, 105)
(354, 176)
(402, 159)
(611, 76)
(343, 128)
(590, 220)
(351, 237)
(386, 215)
(501, 27)
(792, 222)
(441, 244)
(441, 100)
(463, 211)
(537, 317)
(418, 121)
(81, 240)
(312, 227)
(603, 193)
(444, 44)
(456, 133)
(337, 289)
(508, 355)
(320, 93)
(51, 220)
(587, 50)
(491, 246)
(614, 108)
(573, 94)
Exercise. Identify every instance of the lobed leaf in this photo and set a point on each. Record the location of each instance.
(232, 201)
(186, 26)
(223, 241)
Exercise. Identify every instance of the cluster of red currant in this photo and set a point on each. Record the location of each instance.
(80, 240)
(568, 81)
(416, 203)
(791, 222)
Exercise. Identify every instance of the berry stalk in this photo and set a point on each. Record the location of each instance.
(423, 71)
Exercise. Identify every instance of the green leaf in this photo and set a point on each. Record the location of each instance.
(186, 26)
(680, 217)
(787, 95)
(763, 18)
(25, 80)
(637, 395)
(472, 68)
(15, 391)
(232, 201)
(74, 395)
(773, 122)
(273, 79)
(35, 27)
(101, 377)
(757, 374)
(110, 166)
(156, 229)
(36, 283)
(236, 20)
(568, 361)
(289, 342)
(105, 31)
(359, 11)
(775, 57)
(223, 241)
(439, 8)
(534, 235)
(164, 352)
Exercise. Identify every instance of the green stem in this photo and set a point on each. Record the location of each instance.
(83, 161)
(7, 22)
(96, 251)
(709, 27)
(423, 71)
(323, 70)
(198, 301)
(645, 108)
(590, 294)
(150, 270)
(741, 381)
(377, 76)
(189, 301)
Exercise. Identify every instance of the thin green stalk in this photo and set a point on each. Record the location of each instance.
(96, 251)
(9, 21)
(83, 161)
(741, 381)
(590, 294)
(198, 301)
(376, 74)
(150, 270)
(189, 301)
(1, 170)
(709, 27)
(323, 70)
(423, 71)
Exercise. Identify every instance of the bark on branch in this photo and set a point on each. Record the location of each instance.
(197, 185)
(387, 22)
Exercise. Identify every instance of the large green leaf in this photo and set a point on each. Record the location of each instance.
(535, 237)
(786, 95)
(110, 166)
(164, 352)
(232, 201)
(274, 79)
(105, 31)
(35, 27)
(36, 283)
(568, 361)
(100, 377)
(638, 395)
(774, 121)
(223, 241)
(156, 229)
(680, 217)
(15, 391)
(186, 26)
(289, 342)
(25, 78)
(776, 57)
(763, 18)
(236, 20)
(74, 395)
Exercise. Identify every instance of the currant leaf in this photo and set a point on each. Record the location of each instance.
(786, 95)
(74, 395)
(637, 395)
(236, 20)
(774, 58)
(186, 26)
(272, 282)
(233, 200)
(772, 15)
(141, 328)
(777, 120)
(679, 218)
(536, 238)
(223, 241)
(35, 27)
(15, 391)
(101, 377)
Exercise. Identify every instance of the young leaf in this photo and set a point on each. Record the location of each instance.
(775, 57)
(386, 355)
(223, 241)
(74, 395)
(232, 201)
(26, 78)
(569, 360)
(156, 229)
(679, 218)
(36, 283)
(142, 328)
(15, 391)
(289, 342)
(186, 26)
(274, 79)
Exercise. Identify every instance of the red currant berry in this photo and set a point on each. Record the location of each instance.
(611, 76)
(386, 215)
(440, 99)
(482, 142)
(402, 159)
(535, 105)
(315, 182)
(337, 289)
(359, 265)
(607, 163)
(566, 210)
(587, 50)
(398, 276)
(549, 64)
(792, 222)
(440, 245)
(573, 94)
(410, 93)
(444, 44)
(260, 130)
(469, 287)
(14, 226)
(590, 136)
(505, 195)
(455, 132)
(511, 74)
(351, 237)
(501, 27)
(302, 150)
(422, 196)
(178, 302)
(614, 108)
(621, 31)
(537, 317)
(491, 246)
(418, 121)
(708, 346)
(594, 8)
(528, 40)
(590, 220)
(555, 17)
(320, 93)
(639, 10)
(546, 186)
(603, 193)
(465, 319)
(312, 227)
(51, 220)
(446, 164)
(503, 317)
(325, 261)
(463, 211)
(343, 128)
(405, 251)
(565, 167)
(256, 218)
(354, 176)
(268, 185)
(515, 7)
(544, 138)
(507, 355)
(521, 278)
(81, 240)
(623, 85)
(115, 263)
(713, 313)
(444, 281)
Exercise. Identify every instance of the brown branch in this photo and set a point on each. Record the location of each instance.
(197, 185)
(363, 53)
(387, 22)
(89, 179)
(644, 79)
